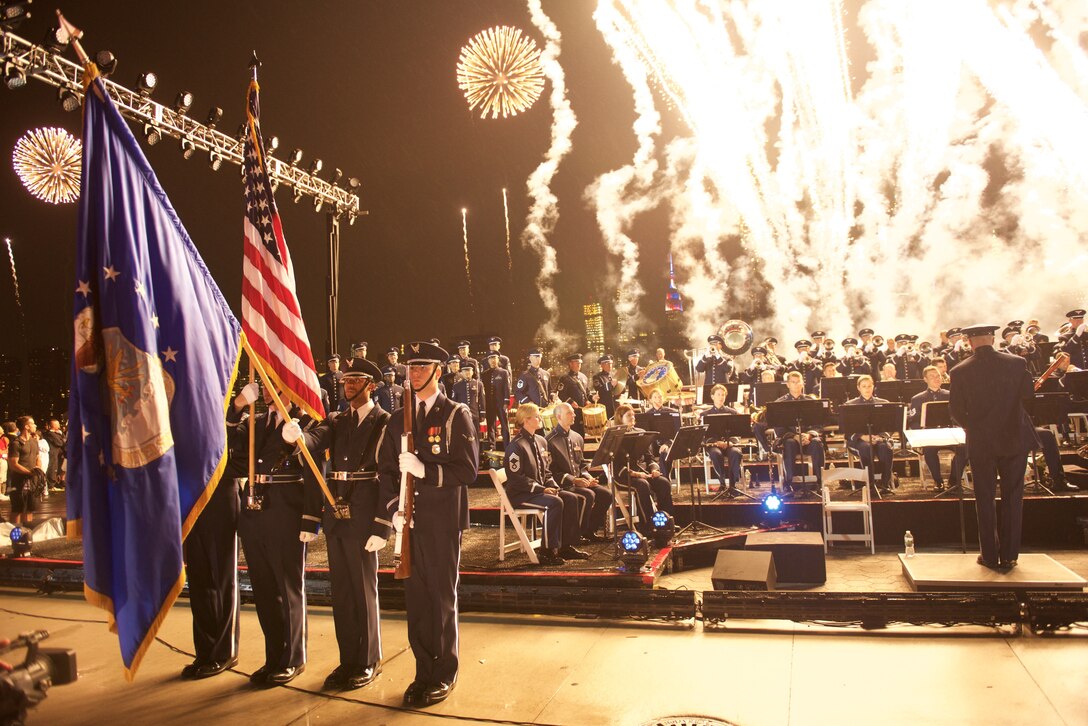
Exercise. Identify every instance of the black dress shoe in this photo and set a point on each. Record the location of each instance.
(592, 538)
(338, 679)
(286, 675)
(986, 563)
(1063, 487)
(261, 674)
(189, 671)
(569, 553)
(938, 486)
(550, 558)
(1007, 565)
(207, 670)
(413, 695)
(363, 675)
(438, 692)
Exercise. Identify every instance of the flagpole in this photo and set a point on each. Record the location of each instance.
(252, 431)
(256, 363)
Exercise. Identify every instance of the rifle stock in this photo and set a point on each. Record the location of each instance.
(402, 544)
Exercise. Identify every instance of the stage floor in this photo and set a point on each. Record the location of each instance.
(962, 573)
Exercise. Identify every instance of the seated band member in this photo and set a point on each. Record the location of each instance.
(786, 440)
(934, 392)
(759, 424)
(529, 485)
(643, 475)
(719, 450)
(569, 469)
(869, 445)
(671, 419)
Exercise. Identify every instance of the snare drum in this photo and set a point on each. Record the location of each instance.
(547, 418)
(594, 419)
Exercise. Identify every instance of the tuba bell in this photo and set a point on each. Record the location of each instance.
(736, 336)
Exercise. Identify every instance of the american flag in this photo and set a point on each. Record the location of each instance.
(271, 316)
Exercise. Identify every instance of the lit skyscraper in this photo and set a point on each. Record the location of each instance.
(594, 320)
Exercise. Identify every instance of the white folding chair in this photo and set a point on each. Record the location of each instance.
(865, 507)
(519, 519)
(628, 511)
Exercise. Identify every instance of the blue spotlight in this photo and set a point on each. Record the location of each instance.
(664, 528)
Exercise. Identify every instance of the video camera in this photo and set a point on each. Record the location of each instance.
(26, 684)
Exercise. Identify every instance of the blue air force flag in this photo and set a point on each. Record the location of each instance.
(156, 351)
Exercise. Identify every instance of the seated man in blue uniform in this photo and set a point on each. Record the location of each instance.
(568, 468)
(934, 392)
(875, 445)
(786, 439)
(719, 450)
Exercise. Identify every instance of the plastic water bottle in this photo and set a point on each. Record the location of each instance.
(747, 479)
(908, 544)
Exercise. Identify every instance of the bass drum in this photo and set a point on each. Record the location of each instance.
(660, 377)
(594, 419)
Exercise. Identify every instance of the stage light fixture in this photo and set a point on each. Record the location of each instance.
(187, 149)
(69, 101)
(215, 115)
(297, 197)
(318, 204)
(183, 102)
(146, 83)
(634, 553)
(772, 507)
(20, 542)
(13, 77)
(354, 184)
(12, 14)
(152, 134)
(352, 216)
(295, 157)
(106, 62)
(336, 176)
(664, 528)
(275, 185)
(315, 166)
(56, 40)
(271, 145)
(215, 160)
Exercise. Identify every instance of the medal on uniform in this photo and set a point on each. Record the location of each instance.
(433, 437)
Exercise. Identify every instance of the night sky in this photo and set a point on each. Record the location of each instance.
(369, 87)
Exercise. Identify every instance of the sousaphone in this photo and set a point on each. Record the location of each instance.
(736, 336)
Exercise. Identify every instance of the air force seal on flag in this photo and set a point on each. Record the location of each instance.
(515, 463)
(140, 394)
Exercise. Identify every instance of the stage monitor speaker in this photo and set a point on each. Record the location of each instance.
(743, 570)
(798, 556)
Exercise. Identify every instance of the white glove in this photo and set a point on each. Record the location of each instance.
(291, 431)
(375, 543)
(398, 522)
(664, 448)
(306, 537)
(900, 351)
(1081, 328)
(410, 463)
(247, 395)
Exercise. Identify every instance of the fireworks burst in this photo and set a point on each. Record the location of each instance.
(499, 71)
(47, 161)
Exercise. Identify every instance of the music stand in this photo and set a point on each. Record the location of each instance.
(899, 391)
(688, 441)
(724, 426)
(1045, 409)
(805, 413)
(605, 455)
(938, 415)
(764, 393)
(631, 446)
(838, 390)
(865, 419)
(1045, 350)
(1076, 383)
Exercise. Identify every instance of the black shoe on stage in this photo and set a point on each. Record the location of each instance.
(592, 538)
(261, 674)
(338, 679)
(1063, 487)
(288, 674)
(207, 670)
(413, 695)
(1007, 565)
(363, 676)
(938, 486)
(986, 563)
(189, 671)
(550, 558)
(569, 553)
(438, 692)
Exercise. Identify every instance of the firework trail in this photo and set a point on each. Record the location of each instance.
(544, 207)
(468, 272)
(14, 277)
(506, 218)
